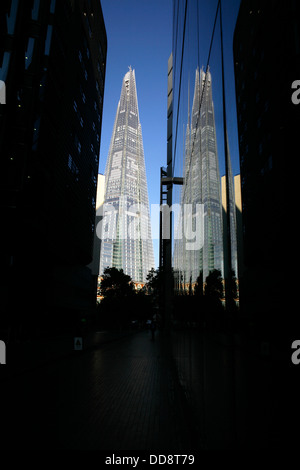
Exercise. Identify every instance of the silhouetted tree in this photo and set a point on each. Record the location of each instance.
(155, 286)
(214, 285)
(231, 306)
(118, 293)
(115, 283)
(234, 288)
(154, 280)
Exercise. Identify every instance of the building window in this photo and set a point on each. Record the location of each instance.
(12, 16)
(35, 10)
(88, 25)
(270, 162)
(52, 6)
(73, 167)
(93, 177)
(266, 107)
(83, 96)
(4, 66)
(70, 160)
(29, 52)
(77, 143)
(36, 131)
(42, 87)
(48, 39)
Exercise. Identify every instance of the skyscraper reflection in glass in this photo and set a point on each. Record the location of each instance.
(202, 145)
(201, 189)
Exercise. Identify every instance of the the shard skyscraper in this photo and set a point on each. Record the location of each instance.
(201, 189)
(126, 230)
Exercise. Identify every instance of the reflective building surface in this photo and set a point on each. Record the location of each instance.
(53, 60)
(201, 190)
(202, 143)
(126, 232)
(268, 124)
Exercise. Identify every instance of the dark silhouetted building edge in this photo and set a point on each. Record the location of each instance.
(53, 59)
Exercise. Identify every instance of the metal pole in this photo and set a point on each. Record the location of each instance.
(227, 262)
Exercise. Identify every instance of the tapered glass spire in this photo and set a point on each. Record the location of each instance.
(201, 190)
(126, 231)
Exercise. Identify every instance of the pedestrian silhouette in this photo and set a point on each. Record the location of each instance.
(153, 328)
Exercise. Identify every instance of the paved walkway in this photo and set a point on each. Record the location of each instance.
(124, 395)
(180, 393)
(27, 355)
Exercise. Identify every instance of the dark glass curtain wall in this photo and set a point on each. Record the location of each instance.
(199, 139)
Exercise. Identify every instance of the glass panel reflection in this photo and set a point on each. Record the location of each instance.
(200, 136)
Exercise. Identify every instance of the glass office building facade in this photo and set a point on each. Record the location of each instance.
(53, 61)
(202, 138)
(126, 232)
(268, 125)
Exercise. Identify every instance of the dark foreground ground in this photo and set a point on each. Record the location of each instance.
(182, 392)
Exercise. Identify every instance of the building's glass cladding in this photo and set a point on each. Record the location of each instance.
(50, 132)
(201, 190)
(198, 143)
(126, 231)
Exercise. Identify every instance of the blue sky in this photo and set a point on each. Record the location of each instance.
(139, 34)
